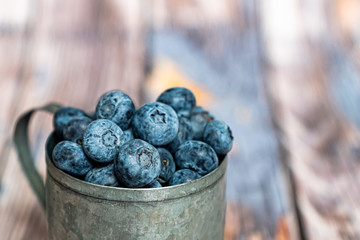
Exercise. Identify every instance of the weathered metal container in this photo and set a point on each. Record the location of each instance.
(79, 210)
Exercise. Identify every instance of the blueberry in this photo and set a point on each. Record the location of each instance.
(167, 165)
(197, 156)
(156, 123)
(178, 98)
(154, 184)
(63, 116)
(117, 107)
(185, 133)
(102, 139)
(69, 157)
(103, 176)
(219, 136)
(137, 164)
(128, 135)
(75, 128)
(184, 114)
(199, 118)
(183, 176)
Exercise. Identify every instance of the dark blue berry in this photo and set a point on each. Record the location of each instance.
(178, 98)
(128, 135)
(156, 123)
(63, 116)
(184, 134)
(103, 176)
(167, 165)
(197, 156)
(183, 176)
(199, 118)
(184, 114)
(154, 184)
(69, 157)
(219, 136)
(102, 139)
(117, 107)
(75, 128)
(137, 164)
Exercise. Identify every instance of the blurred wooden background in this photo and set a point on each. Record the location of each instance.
(284, 74)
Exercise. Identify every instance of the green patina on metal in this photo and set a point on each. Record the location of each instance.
(79, 210)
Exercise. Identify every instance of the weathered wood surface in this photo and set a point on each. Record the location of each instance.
(313, 80)
(99, 46)
(234, 54)
(219, 52)
(68, 52)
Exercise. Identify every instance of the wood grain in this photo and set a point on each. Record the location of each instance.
(319, 139)
(235, 55)
(69, 53)
(218, 52)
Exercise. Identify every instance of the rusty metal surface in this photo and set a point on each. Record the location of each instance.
(80, 210)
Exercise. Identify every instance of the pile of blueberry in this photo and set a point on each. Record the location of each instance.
(163, 143)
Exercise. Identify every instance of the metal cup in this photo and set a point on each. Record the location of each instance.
(77, 209)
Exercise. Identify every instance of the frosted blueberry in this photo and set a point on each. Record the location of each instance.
(117, 107)
(75, 128)
(63, 116)
(183, 176)
(197, 156)
(179, 98)
(156, 123)
(167, 165)
(219, 136)
(199, 118)
(102, 139)
(128, 135)
(69, 157)
(137, 164)
(102, 176)
(185, 133)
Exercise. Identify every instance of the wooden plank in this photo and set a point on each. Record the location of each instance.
(75, 52)
(12, 33)
(321, 142)
(212, 47)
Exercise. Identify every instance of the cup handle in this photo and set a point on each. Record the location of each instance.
(21, 140)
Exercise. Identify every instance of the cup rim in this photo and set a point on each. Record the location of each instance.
(129, 194)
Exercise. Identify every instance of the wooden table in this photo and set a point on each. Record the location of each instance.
(283, 74)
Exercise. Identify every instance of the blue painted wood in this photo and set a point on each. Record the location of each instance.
(234, 75)
(344, 76)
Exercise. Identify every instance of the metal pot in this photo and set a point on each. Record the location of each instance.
(80, 210)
